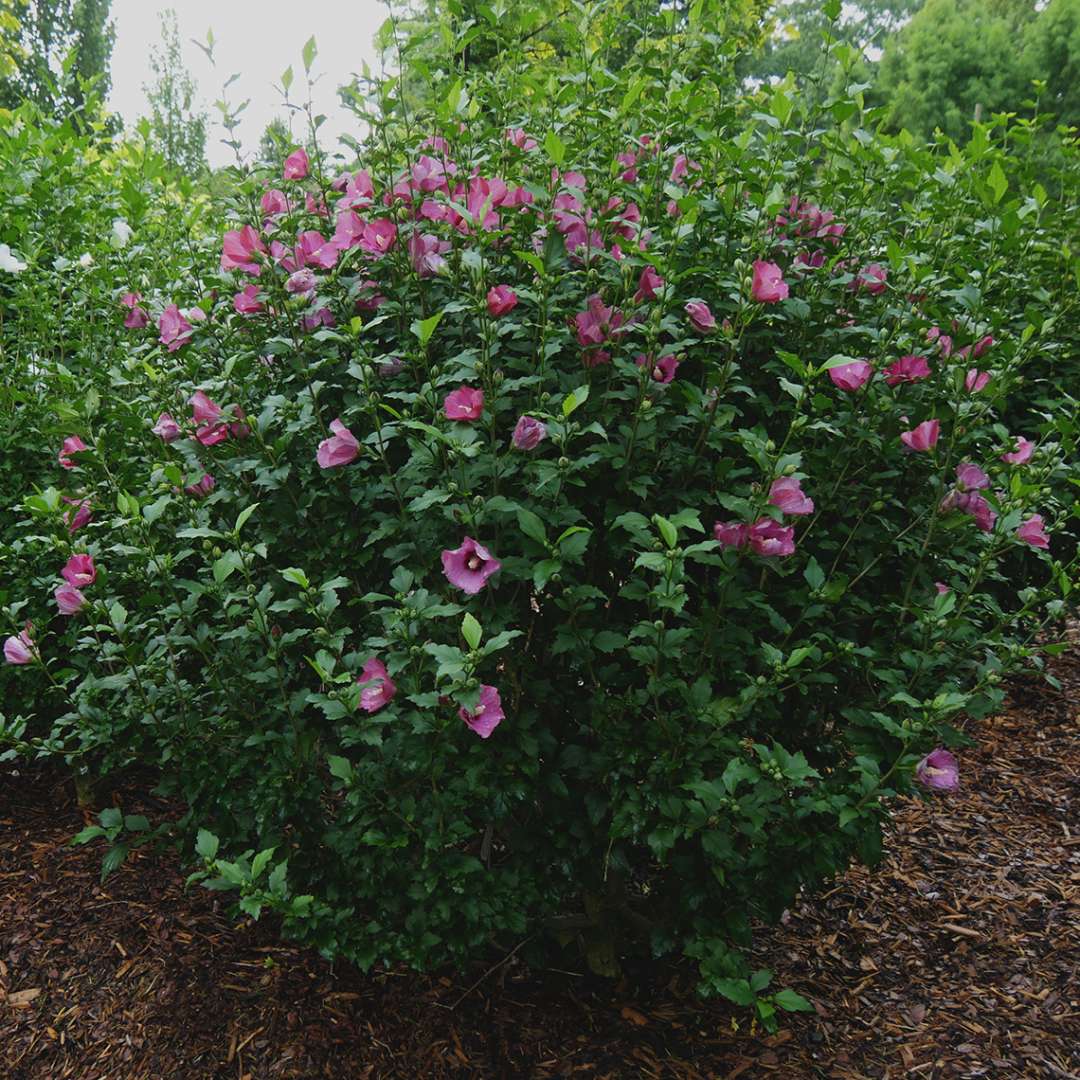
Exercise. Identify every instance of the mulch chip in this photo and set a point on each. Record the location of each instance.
(957, 957)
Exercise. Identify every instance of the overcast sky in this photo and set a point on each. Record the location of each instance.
(257, 38)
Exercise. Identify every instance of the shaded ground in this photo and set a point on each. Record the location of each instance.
(958, 957)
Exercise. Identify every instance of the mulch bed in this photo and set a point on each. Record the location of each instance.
(957, 957)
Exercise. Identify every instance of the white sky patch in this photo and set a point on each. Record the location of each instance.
(259, 39)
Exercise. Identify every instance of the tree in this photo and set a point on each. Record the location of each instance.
(10, 51)
(954, 59)
(177, 127)
(60, 51)
(793, 40)
(275, 143)
(1052, 50)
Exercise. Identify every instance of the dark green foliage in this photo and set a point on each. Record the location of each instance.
(64, 52)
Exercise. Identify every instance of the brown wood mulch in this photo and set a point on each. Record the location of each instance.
(957, 957)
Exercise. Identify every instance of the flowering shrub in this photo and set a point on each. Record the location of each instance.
(583, 519)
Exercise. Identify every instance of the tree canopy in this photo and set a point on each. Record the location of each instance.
(55, 53)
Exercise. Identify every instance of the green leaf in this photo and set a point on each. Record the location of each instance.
(471, 631)
(574, 399)
(260, 862)
(340, 767)
(423, 329)
(736, 990)
(555, 147)
(760, 979)
(136, 823)
(608, 641)
(997, 181)
(84, 836)
(206, 844)
(243, 516)
(287, 79)
(152, 511)
(838, 360)
(114, 859)
(309, 54)
(533, 260)
(296, 576)
(531, 525)
(790, 1001)
(226, 565)
(667, 530)
(111, 817)
(781, 106)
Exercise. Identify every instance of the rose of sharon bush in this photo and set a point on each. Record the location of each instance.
(628, 595)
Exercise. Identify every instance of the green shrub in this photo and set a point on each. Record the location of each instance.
(729, 591)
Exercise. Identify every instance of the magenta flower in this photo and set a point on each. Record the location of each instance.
(701, 316)
(247, 302)
(175, 329)
(488, 713)
(1022, 454)
(923, 437)
(207, 413)
(301, 282)
(649, 284)
(522, 141)
(528, 433)
(137, 316)
(274, 202)
(465, 403)
(20, 647)
(313, 249)
(78, 515)
(426, 252)
(68, 599)
(1031, 531)
(681, 167)
(971, 502)
(72, 445)
(981, 346)
(662, 370)
(320, 317)
(166, 428)
(976, 380)
(853, 376)
(381, 688)
(942, 588)
(770, 539)
(469, 566)
(240, 250)
(971, 477)
(202, 488)
(340, 449)
(872, 278)
(348, 231)
(359, 190)
(907, 369)
(787, 495)
(79, 570)
(768, 286)
(939, 769)
(378, 236)
(204, 410)
(733, 534)
(296, 165)
(597, 324)
(501, 300)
